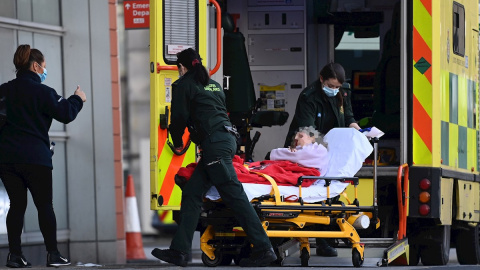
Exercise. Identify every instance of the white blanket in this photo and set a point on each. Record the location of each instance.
(313, 155)
(347, 149)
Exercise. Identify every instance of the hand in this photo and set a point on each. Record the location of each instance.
(80, 93)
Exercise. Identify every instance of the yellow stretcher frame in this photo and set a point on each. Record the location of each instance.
(308, 214)
(320, 214)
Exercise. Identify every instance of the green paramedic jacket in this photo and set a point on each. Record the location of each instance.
(200, 108)
(315, 109)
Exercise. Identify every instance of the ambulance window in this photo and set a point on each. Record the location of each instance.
(458, 30)
(180, 27)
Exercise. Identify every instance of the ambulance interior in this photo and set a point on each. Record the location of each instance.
(274, 49)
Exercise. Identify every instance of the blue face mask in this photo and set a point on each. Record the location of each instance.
(43, 76)
(330, 91)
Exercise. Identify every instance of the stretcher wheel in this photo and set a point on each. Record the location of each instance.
(304, 257)
(220, 259)
(356, 258)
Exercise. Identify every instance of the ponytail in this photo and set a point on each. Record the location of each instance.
(201, 74)
(190, 59)
(24, 57)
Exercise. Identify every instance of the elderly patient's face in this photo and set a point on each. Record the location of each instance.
(303, 139)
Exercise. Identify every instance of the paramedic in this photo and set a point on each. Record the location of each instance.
(324, 105)
(198, 103)
(26, 159)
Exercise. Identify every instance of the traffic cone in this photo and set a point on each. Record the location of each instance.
(132, 224)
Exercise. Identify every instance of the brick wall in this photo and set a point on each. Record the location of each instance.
(117, 120)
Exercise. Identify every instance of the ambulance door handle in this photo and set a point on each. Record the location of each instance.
(164, 119)
(219, 37)
(160, 67)
(226, 82)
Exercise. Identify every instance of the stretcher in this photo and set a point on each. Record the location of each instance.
(288, 219)
(283, 219)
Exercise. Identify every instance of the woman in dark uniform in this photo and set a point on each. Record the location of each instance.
(323, 105)
(198, 103)
(26, 159)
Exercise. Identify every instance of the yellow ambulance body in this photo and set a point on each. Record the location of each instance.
(427, 68)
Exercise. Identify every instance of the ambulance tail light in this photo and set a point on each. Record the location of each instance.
(425, 184)
(424, 196)
(424, 209)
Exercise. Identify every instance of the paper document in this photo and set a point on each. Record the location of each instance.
(374, 133)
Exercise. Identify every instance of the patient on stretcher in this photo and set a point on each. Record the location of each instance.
(340, 153)
(309, 150)
(343, 156)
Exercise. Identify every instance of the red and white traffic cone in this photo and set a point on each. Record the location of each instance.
(132, 224)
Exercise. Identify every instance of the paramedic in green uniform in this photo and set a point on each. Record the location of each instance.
(198, 103)
(323, 105)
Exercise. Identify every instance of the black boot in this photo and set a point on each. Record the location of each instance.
(171, 256)
(324, 249)
(259, 259)
(17, 261)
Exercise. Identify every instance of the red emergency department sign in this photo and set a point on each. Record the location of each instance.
(137, 14)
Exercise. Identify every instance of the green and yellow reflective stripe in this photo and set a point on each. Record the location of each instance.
(422, 82)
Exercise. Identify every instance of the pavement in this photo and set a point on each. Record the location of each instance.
(344, 259)
(342, 262)
(162, 241)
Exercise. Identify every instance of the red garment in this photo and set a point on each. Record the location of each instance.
(186, 172)
(285, 173)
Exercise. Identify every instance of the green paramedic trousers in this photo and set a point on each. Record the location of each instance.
(216, 168)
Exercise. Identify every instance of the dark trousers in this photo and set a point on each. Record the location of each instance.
(17, 178)
(216, 168)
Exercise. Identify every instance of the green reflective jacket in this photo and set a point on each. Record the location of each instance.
(315, 109)
(201, 109)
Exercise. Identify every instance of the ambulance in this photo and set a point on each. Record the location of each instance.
(412, 68)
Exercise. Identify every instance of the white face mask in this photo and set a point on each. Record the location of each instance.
(330, 91)
(43, 76)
